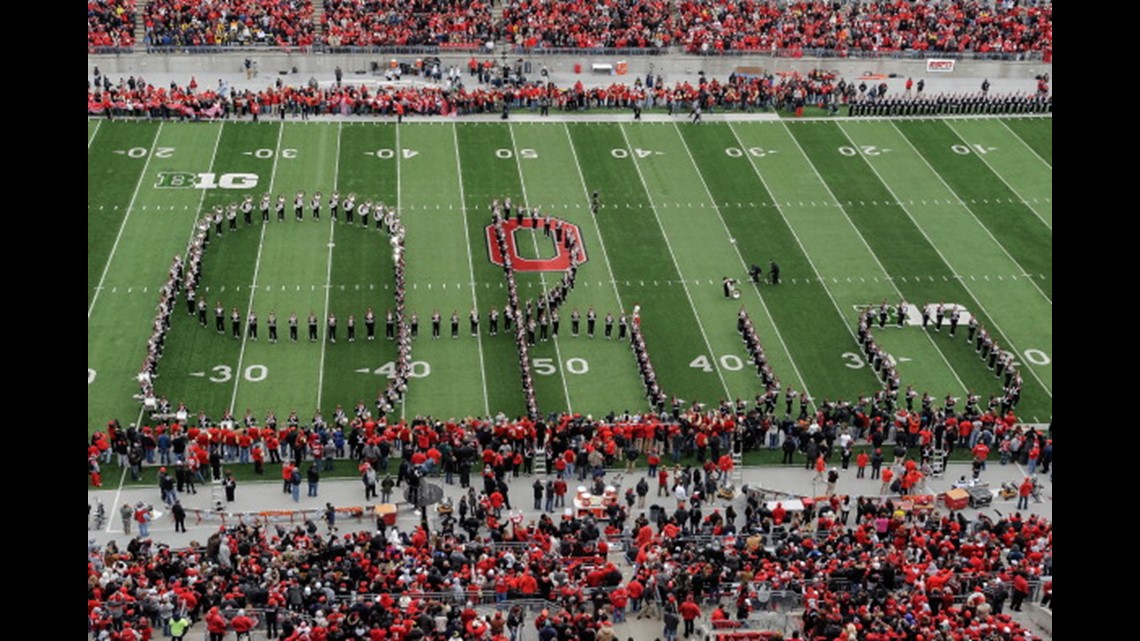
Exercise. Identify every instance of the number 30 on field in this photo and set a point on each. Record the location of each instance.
(225, 373)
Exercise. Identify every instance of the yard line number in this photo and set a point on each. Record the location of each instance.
(547, 366)
(866, 150)
(225, 373)
(417, 369)
(965, 150)
(527, 154)
(141, 152)
(288, 154)
(730, 362)
(737, 152)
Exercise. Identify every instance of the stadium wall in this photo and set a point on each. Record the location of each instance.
(273, 63)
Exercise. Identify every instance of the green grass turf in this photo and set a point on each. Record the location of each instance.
(850, 224)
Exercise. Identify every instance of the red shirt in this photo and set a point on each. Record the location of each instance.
(689, 610)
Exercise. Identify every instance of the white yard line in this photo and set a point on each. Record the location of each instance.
(328, 274)
(1033, 209)
(1022, 141)
(846, 322)
(470, 268)
(98, 125)
(970, 211)
(736, 250)
(593, 221)
(256, 270)
(113, 510)
(123, 225)
(142, 409)
(398, 156)
(676, 265)
(541, 276)
(1008, 343)
(874, 256)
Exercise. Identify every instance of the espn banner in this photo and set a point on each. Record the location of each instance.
(939, 65)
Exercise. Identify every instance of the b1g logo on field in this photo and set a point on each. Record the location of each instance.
(187, 180)
(561, 260)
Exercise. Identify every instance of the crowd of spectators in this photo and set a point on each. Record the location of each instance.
(196, 23)
(586, 24)
(882, 573)
(387, 23)
(706, 26)
(110, 23)
(135, 97)
(1005, 28)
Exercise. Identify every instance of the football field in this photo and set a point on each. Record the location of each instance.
(955, 211)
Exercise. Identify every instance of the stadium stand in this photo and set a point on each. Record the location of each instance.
(110, 24)
(196, 23)
(899, 27)
(822, 28)
(380, 23)
(889, 568)
(583, 25)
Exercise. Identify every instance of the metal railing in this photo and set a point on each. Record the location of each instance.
(518, 50)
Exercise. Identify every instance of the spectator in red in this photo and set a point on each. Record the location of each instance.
(1024, 491)
(243, 625)
(689, 612)
(216, 624)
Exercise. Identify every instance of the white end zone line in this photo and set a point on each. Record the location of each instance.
(541, 275)
(328, 274)
(993, 322)
(256, 271)
(887, 276)
(470, 268)
(673, 257)
(1013, 260)
(739, 257)
(126, 217)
